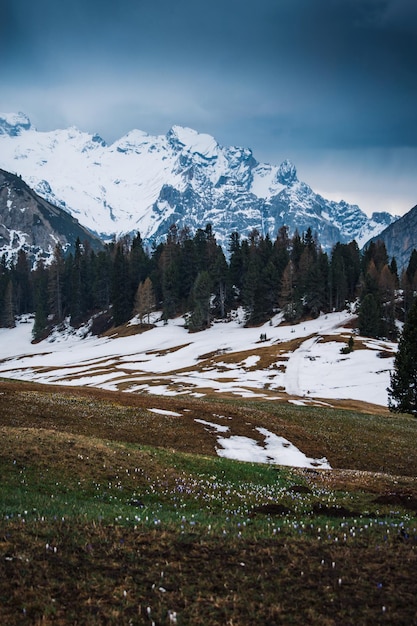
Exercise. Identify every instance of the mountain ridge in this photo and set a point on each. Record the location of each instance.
(29, 222)
(145, 183)
(400, 237)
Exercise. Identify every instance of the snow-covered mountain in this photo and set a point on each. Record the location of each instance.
(146, 183)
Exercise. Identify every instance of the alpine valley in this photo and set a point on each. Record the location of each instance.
(143, 183)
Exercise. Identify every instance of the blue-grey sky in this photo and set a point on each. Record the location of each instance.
(329, 84)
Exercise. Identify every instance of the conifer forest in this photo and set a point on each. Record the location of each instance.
(191, 275)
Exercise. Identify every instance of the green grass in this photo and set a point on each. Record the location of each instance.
(112, 530)
(135, 485)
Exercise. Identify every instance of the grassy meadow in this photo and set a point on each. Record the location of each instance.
(113, 514)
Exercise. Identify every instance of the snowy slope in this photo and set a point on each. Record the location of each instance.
(225, 359)
(144, 182)
(169, 360)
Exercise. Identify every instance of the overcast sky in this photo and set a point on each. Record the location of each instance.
(329, 84)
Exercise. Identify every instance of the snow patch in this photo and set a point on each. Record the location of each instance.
(165, 412)
(275, 449)
(217, 427)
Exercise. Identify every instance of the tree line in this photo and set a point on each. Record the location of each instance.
(190, 274)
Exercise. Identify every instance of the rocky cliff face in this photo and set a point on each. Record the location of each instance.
(146, 183)
(29, 222)
(400, 238)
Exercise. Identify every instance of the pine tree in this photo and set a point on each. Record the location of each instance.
(369, 318)
(75, 303)
(22, 283)
(387, 284)
(120, 287)
(287, 301)
(200, 316)
(409, 282)
(402, 394)
(139, 263)
(56, 271)
(250, 289)
(236, 261)
(8, 310)
(219, 275)
(40, 326)
(102, 274)
(4, 281)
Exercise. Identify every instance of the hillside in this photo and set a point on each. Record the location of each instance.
(400, 238)
(115, 509)
(299, 363)
(163, 476)
(30, 223)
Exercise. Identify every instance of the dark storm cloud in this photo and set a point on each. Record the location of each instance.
(286, 77)
(330, 70)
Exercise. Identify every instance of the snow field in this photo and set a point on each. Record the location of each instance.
(167, 360)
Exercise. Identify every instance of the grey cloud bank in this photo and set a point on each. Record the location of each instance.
(331, 85)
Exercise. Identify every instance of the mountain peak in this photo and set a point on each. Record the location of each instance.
(13, 123)
(193, 141)
(287, 173)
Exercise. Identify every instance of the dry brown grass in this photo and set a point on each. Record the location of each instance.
(353, 436)
(82, 571)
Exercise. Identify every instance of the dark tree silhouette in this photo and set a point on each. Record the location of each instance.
(402, 394)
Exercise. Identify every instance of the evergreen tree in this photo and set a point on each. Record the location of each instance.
(412, 266)
(169, 266)
(56, 271)
(387, 284)
(22, 284)
(7, 313)
(281, 254)
(409, 282)
(316, 290)
(200, 315)
(250, 288)
(41, 302)
(402, 394)
(187, 270)
(4, 281)
(120, 287)
(139, 263)
(377, 252)
(235, 263)
(76, 287)
(219, 276)
(345, 268)
(369, 318)
(102, 271)
(394, 271)
(287, 301)
(297, 249)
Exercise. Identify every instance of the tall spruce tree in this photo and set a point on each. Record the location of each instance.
(369, 316)
(40, 326)
(402, 394)
(8, 309)
(120, 287)
(22, 283)
(55, 275)
(200, 315)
